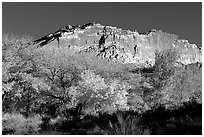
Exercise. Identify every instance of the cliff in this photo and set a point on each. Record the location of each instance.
(120, 45)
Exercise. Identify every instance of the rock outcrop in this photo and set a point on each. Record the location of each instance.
(120, 45)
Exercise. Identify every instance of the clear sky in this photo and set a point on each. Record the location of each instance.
(39, 19)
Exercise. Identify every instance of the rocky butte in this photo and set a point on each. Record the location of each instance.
(120, 45)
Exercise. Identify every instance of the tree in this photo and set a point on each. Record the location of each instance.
(164, 67)
(184, 86)
(16, 63)
(56, 71)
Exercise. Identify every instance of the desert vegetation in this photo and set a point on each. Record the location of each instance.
(48, 91)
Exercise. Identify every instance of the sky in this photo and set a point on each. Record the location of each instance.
(39, 19)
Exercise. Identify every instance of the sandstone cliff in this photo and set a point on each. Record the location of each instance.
(120, 45)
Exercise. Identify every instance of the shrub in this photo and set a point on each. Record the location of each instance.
(17, 124)
(56, 123)
(97, 131)
(127, 123)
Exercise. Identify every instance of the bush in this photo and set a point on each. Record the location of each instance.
(97, 131)
(17, 124)
(122, 123)
(56, 123)
(127, 124)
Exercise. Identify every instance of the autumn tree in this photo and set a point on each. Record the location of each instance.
(60, 75)
(184, 86)
(17, 66)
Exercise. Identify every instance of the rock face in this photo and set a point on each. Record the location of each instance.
(120, 45)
